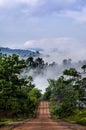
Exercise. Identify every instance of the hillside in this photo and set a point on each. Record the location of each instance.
(20, 52)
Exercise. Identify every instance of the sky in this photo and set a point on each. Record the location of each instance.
(43, 24)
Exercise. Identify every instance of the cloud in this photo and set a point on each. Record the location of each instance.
(51, 7)
(79, 16)
(49, 43)
(38, 2)
(67, 47)
(29, 2)
(37, 8)
(4, 3)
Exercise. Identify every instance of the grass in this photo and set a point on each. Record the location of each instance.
(5, 122)
(78, 118)
(18, 118)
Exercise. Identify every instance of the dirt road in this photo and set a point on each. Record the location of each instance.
(44, 122)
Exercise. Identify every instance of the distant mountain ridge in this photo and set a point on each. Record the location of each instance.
(36, 49)
(20, 52)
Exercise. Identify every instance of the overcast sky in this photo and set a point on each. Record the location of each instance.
(43, 23)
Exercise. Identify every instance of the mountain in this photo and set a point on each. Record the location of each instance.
(20, 52)
(36, 49)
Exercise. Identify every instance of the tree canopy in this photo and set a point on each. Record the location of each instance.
(15, 92)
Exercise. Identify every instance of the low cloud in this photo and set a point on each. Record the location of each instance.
(59, 48)
(49, 43)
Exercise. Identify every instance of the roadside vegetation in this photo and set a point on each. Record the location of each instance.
(67, 96)
(79, 117)
(18, 96)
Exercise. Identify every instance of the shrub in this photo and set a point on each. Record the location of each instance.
(63, 110)
(82, 121)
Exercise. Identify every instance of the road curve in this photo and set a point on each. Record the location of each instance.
(44, 122)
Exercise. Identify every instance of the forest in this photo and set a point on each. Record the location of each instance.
(67, 93)
(67, 96)
(19, 96)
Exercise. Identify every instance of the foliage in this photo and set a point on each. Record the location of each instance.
(66, 94)
(34, 95)
(82, 121)
(37, 63)
(78, 117)
(46, 95)
(84, 68)
(71, 72)
(15, 97)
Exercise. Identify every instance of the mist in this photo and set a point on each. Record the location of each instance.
(54, 65)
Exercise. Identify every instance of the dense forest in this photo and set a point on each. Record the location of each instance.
(67, 95)
(18, 96)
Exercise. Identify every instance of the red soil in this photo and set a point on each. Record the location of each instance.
(43, 122)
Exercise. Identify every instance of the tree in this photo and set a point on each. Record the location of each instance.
(29, 61)
(84, 68)
(34, 95)
(14, 90)
(71, 72)
(66, 93)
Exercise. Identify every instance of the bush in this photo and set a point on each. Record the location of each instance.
(82, 121)
(63, 110)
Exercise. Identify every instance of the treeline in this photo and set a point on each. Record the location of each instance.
(35, 63)
(18, 96)
(39, 62)
(67, 93)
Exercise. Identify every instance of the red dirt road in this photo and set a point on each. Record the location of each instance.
(44, 122)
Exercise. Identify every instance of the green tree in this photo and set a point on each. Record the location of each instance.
(84, 68)
(66, 93)
(14, 90)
